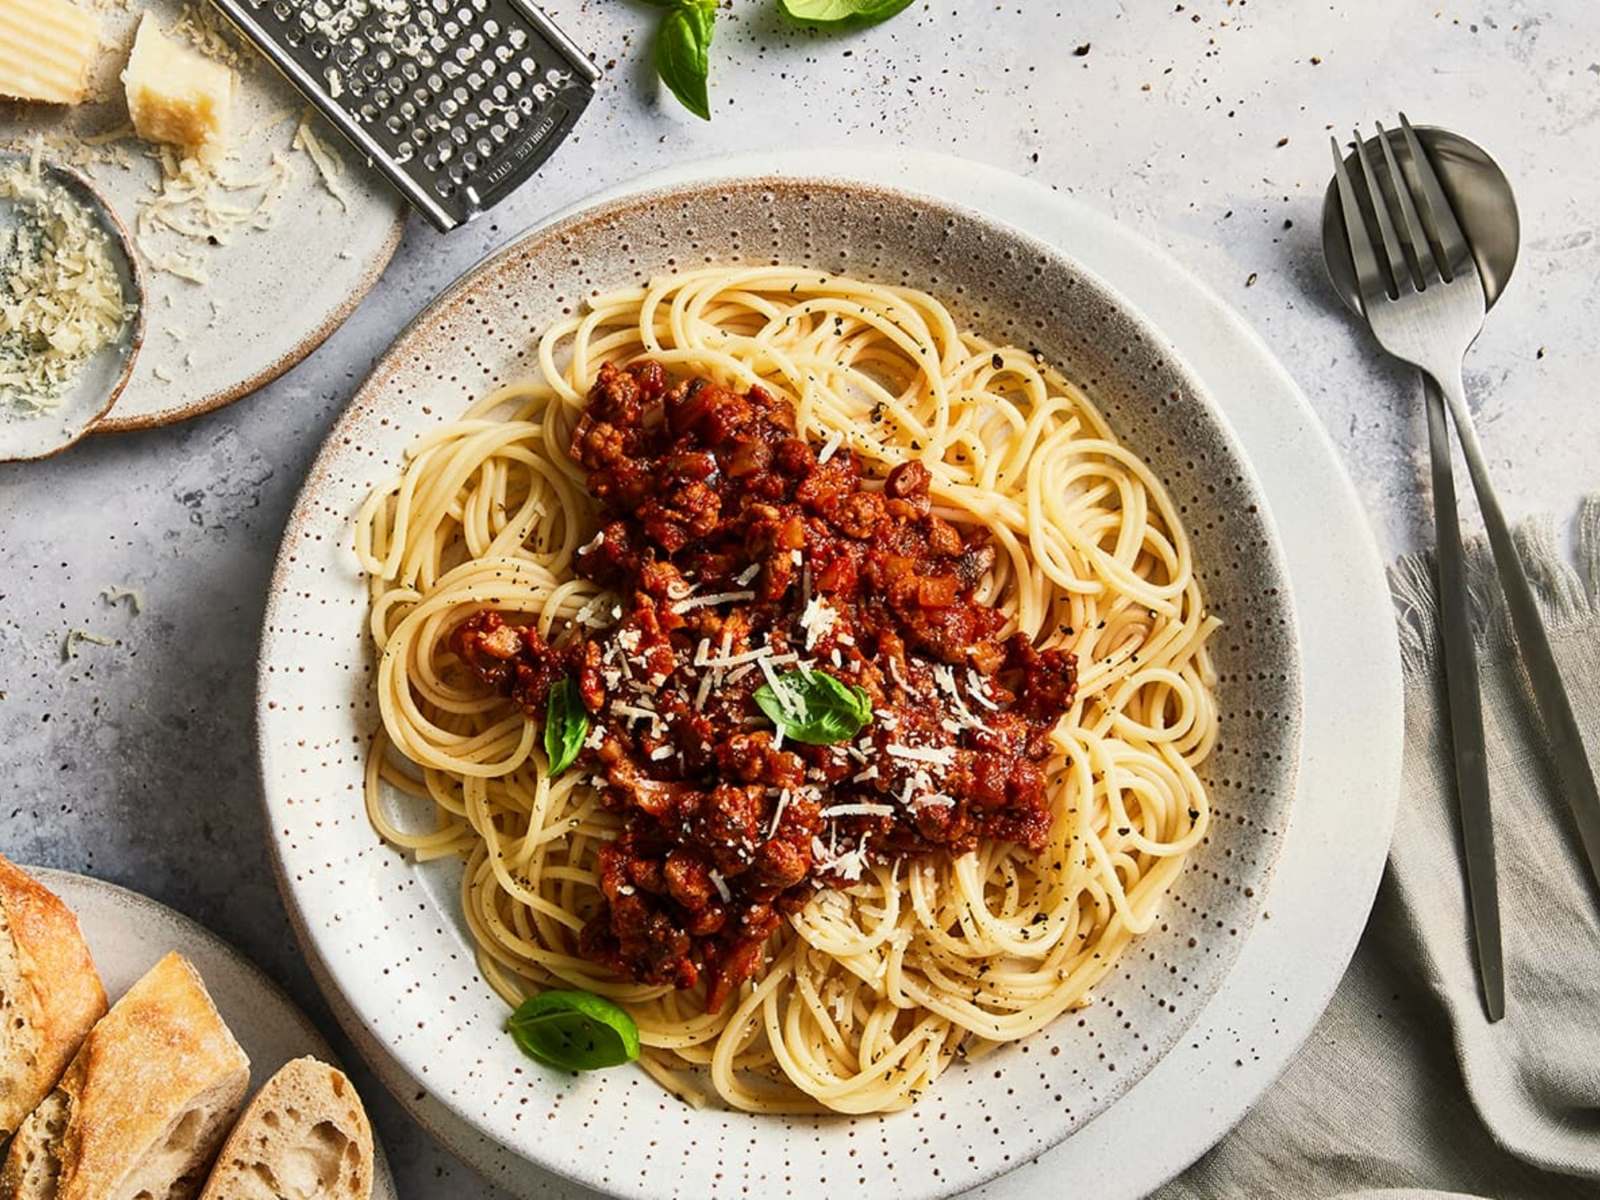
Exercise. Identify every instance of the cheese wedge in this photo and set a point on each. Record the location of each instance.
(46, 50)
(175, 94)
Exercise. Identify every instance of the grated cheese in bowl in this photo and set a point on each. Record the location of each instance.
(61, 297)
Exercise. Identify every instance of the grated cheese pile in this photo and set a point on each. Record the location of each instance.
(206, 206)
(61, 298)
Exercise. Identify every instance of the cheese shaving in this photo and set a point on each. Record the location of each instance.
(330, 167)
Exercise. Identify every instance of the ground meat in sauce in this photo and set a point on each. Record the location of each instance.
(729, 539)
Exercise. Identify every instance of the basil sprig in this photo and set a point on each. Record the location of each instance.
(814, 707)
(566, 725)
(841, 14)
(683, 40)
(682, 46)
(575, 1031)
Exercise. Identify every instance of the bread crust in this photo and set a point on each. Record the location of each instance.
(305, 1131)
(151, 1092)
(57, 994)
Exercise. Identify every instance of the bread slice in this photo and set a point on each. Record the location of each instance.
(144, 1104)
(304, 1137)
(50, 993)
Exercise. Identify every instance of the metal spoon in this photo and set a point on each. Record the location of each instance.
(30, 435)
(1481, 197)
(1478, 191)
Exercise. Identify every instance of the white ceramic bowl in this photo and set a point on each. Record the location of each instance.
(387, 934)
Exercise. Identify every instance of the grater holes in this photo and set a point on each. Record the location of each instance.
(319, 47)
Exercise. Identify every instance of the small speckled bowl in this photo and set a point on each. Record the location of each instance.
(387, 934)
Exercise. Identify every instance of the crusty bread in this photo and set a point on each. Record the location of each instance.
(144, 1104)
(304, 1137)
(50, 993)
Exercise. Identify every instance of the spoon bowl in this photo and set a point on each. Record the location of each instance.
(29, 434)
(1477, 189)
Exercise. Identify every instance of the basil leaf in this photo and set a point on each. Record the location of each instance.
(814, 707)
(566, 725)
(682, 43)
(575, 1031)
(841, 14)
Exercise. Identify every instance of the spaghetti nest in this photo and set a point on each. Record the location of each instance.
(871, 988)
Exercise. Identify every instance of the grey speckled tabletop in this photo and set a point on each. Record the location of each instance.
(1203, 125)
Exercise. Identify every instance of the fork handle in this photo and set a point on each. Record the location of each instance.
(1569, 757)
(1466, 712)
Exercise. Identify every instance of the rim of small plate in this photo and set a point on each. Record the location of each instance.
(369, 393)
(109, 422)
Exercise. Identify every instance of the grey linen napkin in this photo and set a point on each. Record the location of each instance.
(1404, 1089)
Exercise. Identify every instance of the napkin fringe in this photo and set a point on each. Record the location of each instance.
(1568, 593)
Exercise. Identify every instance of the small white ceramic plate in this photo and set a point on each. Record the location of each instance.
(128, 933)
(274, 294)
(1333, 851)
(25, 434)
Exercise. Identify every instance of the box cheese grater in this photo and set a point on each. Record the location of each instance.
(457, 102)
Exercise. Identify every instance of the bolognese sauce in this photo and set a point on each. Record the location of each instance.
(737, 551)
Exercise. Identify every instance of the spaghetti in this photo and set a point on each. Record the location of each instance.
(868, 990)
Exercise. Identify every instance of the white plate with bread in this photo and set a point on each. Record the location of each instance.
(142, 1056)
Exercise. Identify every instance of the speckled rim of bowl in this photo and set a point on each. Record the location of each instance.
(111, 423)
(135, 339)
(59, 881)
(415, 335)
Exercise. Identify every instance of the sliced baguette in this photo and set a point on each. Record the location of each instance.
(144, 1104)
(50, 993)
(304, 1137)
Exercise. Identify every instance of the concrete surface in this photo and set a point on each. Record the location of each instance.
(1204, 125)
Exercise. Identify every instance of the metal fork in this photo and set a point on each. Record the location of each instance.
(1428, 311)
(1399, 333)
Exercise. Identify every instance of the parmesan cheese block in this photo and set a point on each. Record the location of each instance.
(46, 50)
(175, 94)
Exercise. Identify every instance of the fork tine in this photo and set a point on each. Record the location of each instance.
(1369, 276)
(1408, 211)
(1380, 207)
(1457, 254)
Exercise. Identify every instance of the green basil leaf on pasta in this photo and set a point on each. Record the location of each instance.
(575, 1031)
(841, 14)
(682, 53)
(566, 725)
(814, 707)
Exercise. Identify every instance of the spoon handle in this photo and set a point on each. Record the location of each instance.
(1569, 757)
(1466, 713)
